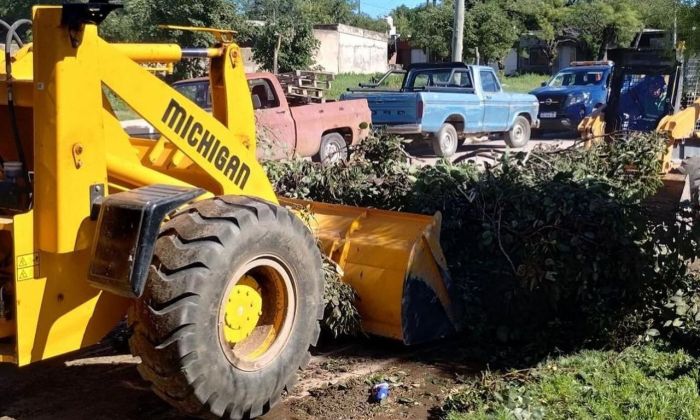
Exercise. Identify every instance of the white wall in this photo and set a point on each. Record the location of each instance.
(250, 65)
(327, 55)
(346, 49)
(511, 62)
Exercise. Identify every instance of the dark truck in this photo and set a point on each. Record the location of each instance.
(573, 94)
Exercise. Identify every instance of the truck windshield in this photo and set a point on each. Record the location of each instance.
(577, 78)
(458, 78)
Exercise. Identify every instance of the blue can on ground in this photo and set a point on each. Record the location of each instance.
(380, 392)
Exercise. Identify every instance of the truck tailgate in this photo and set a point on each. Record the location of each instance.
(391, 108)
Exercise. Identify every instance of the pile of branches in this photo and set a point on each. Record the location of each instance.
(551, 248)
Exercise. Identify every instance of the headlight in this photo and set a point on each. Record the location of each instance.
(577, 98)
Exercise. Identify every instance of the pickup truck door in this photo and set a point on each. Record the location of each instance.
(275, 128)
(496, 102)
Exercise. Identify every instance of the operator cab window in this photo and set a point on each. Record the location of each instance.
(263, 95)
(489, 82)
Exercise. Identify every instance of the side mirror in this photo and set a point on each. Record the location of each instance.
(543, 84)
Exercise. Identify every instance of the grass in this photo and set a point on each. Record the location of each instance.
(647, 382)
(344, 81)
(121, 109)
(523, 83)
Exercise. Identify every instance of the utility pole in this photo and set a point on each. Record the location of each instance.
(458, 31)
(675, 24)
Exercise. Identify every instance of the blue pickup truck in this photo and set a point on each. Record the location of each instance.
(572, 94)
(446, 102)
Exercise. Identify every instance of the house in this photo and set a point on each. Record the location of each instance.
(527, 56)
(347, 49)
(531, 57)
(342, 49)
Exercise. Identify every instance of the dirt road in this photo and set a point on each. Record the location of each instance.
(100, 383)
(485, 149)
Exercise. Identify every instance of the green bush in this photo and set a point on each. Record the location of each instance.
(550, 248)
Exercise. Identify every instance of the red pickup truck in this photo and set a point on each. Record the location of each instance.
(322, 131)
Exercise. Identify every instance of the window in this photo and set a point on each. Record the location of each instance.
(489, 82)
(197, 92)
(643, 101)
(461, 79)
(421, 80)
(430, 78)
(577, 78)
(263, 95)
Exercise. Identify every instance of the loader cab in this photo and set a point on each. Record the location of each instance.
(644, 88)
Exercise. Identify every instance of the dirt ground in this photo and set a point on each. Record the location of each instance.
(102, 383)
(485, 149)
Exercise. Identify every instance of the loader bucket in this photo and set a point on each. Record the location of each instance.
(395, 264)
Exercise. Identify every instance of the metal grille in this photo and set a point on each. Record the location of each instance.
(691, 88)
(551, 103)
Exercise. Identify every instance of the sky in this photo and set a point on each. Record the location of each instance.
(379, 8)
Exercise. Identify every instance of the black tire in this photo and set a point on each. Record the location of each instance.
(333, 149)
(445, 141)
(177, 325)
(519, 134)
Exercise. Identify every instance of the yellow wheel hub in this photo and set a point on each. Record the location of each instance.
(243, 310)
(256, 314)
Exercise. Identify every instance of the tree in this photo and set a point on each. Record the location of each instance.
(365, 21)
(431, 29)
(285, 41)
(329, 11)
(657, 14)
(403, 20)
(603, 23)
(141, 19)
(548, 20)
(489, 28)
(13, 10)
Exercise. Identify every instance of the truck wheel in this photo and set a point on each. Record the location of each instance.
(333, 149)
(445, 141)
(519, 134)
(231, 307)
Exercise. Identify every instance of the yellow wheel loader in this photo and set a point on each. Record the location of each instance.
(221, 281)
(645, 93)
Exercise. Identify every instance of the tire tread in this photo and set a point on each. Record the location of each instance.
(186, 252)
